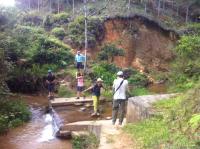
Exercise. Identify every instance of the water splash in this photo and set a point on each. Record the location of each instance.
(48, 132)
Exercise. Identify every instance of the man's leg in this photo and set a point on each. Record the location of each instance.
(115, 111)
(122, 107)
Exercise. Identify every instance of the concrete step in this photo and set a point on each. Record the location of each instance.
(70, 101)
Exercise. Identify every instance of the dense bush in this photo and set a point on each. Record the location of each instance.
(30, 49)
(12, 114)
(186, 68)
(55, 20)
(89, 141)
(59, 32)
(136, 78)
(31, 18)
(106, 71)
(109, 51)
(76, 31)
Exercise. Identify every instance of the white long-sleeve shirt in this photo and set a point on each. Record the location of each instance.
(121, 92)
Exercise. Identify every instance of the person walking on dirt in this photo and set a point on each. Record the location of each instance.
(80, 83)
(50, 80)
(96, 92)
(80, 59)
(120, 88)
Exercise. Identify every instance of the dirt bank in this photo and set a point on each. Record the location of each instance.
(147, 45)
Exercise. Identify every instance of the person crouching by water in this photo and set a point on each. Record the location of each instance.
(80, 59)
(80, 84)
(50, 80)
(96, 92)
(120, 88)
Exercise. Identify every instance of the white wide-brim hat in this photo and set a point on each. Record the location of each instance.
(99, 80)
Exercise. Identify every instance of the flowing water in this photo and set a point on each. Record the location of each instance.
(39, 132)
(36, 134)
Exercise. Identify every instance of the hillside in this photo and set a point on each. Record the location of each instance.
(154, 42)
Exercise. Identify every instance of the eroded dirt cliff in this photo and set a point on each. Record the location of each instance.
(147, 45)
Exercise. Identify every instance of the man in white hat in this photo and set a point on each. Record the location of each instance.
(120, 87)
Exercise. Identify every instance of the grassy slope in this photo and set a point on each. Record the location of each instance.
(176, 125)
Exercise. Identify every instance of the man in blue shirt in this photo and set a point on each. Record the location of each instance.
(80, 59)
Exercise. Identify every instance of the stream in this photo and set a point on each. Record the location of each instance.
(37, 133)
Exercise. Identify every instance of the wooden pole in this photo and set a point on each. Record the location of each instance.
(86, 40)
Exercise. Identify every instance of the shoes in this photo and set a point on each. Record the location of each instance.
(77, 97)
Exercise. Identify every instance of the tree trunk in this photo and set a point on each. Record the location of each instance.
(187, 13)
(38, 5)
(58, 6)
(145, 7)
(158, 7)
(50, 5)
(29, 4)
(73, 8)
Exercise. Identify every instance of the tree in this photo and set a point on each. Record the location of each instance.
(3, 69)
(109, 51)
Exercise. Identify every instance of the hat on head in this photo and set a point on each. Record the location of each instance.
(49, 70)
(99, 80)
(120, 73)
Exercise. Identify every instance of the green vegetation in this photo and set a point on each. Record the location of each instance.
(85, 142)
(55, 20)
(63, 91)
(58, 32)
(106, 72)
(109, 51)
(176, 124)
(186, 67)
(139, 91)
(12, 114)
(76, 31)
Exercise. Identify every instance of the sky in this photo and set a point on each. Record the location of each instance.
(7, 3)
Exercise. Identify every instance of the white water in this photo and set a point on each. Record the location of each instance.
(48, 131)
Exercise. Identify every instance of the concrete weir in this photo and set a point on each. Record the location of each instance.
(140, 107)
(69, 101)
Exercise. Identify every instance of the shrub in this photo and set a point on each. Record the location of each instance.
(53, 20)
(61, 18)
(63, 91)
(32, 19)
(136, 78)
(85, 142)
(59, 32)
(109, 51)
(76, 31)
(12, 114)
(106, 71)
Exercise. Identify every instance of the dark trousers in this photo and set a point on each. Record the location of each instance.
(118, 105)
